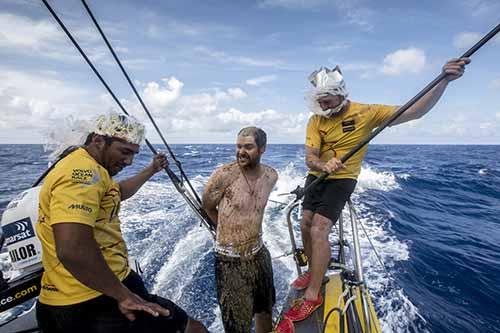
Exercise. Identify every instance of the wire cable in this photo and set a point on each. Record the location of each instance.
(194, 202)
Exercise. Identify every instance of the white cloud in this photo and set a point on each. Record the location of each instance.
(230, 120)
(486, 125)
(208, 103)
(120, 49)
(240, 60)
(236, 93)
(24, 32)
(462, 125)
(465, 40)
(410, 60)
(43, 38)
(167, 100)
(456, 126)
(159, 97)
(27, 104)
(257, 81)
(202, 115)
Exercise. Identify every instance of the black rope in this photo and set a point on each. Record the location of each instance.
(195, 204)
(177, 163)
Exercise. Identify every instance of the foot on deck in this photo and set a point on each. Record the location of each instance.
(284, 326)
(302, 308)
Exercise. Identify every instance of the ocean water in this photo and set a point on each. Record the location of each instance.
(432, 213)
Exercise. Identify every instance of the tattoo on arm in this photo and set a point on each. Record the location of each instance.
(312, 159)
(212, 195)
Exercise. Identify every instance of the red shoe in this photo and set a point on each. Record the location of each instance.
(302, 282)
(284, 326)
(302, 308)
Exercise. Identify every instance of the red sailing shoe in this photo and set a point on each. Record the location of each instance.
(302, 282)
(284, 326)
(302, 308)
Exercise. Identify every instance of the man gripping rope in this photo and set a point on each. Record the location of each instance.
(87, 284)
(235, 198)
(336, 127)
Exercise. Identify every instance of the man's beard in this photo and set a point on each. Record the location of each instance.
(250, 162)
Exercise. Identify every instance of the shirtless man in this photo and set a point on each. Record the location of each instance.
(234, 198)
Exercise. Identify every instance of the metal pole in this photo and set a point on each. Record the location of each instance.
(292, 235)
(341, 240)
(359, 267)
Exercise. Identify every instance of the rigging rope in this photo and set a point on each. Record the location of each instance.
(176, 161)
(194, 202)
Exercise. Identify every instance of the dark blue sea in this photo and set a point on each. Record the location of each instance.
(432, 213)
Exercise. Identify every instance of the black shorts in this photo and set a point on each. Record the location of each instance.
(101, 314)
(328, 197)
(244, 288)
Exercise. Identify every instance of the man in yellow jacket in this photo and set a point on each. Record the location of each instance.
(336, 127)
(87, 284)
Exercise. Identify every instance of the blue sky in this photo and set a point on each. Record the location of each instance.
(208, 68)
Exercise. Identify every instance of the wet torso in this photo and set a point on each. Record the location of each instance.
(241, 209)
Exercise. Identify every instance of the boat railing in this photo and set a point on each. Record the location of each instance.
(356, 280)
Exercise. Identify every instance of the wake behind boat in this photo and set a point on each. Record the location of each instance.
(347, 300)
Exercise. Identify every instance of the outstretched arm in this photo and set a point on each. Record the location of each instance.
(454, 69)
(130, 186)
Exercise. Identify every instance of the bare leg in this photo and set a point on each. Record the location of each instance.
(321, 253)
(263, 322)
(194, 326)
(305, 228)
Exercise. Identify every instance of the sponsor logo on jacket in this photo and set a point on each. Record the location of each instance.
(85, 176)
(80, 207)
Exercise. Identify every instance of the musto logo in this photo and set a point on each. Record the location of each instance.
(19, 231)
(81, 207)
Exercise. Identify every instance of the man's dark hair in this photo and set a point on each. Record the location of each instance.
(107, 139)
(258, 133)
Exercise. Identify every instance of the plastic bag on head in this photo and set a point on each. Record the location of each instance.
(120, 126)
(73, 132)
(325, 82)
